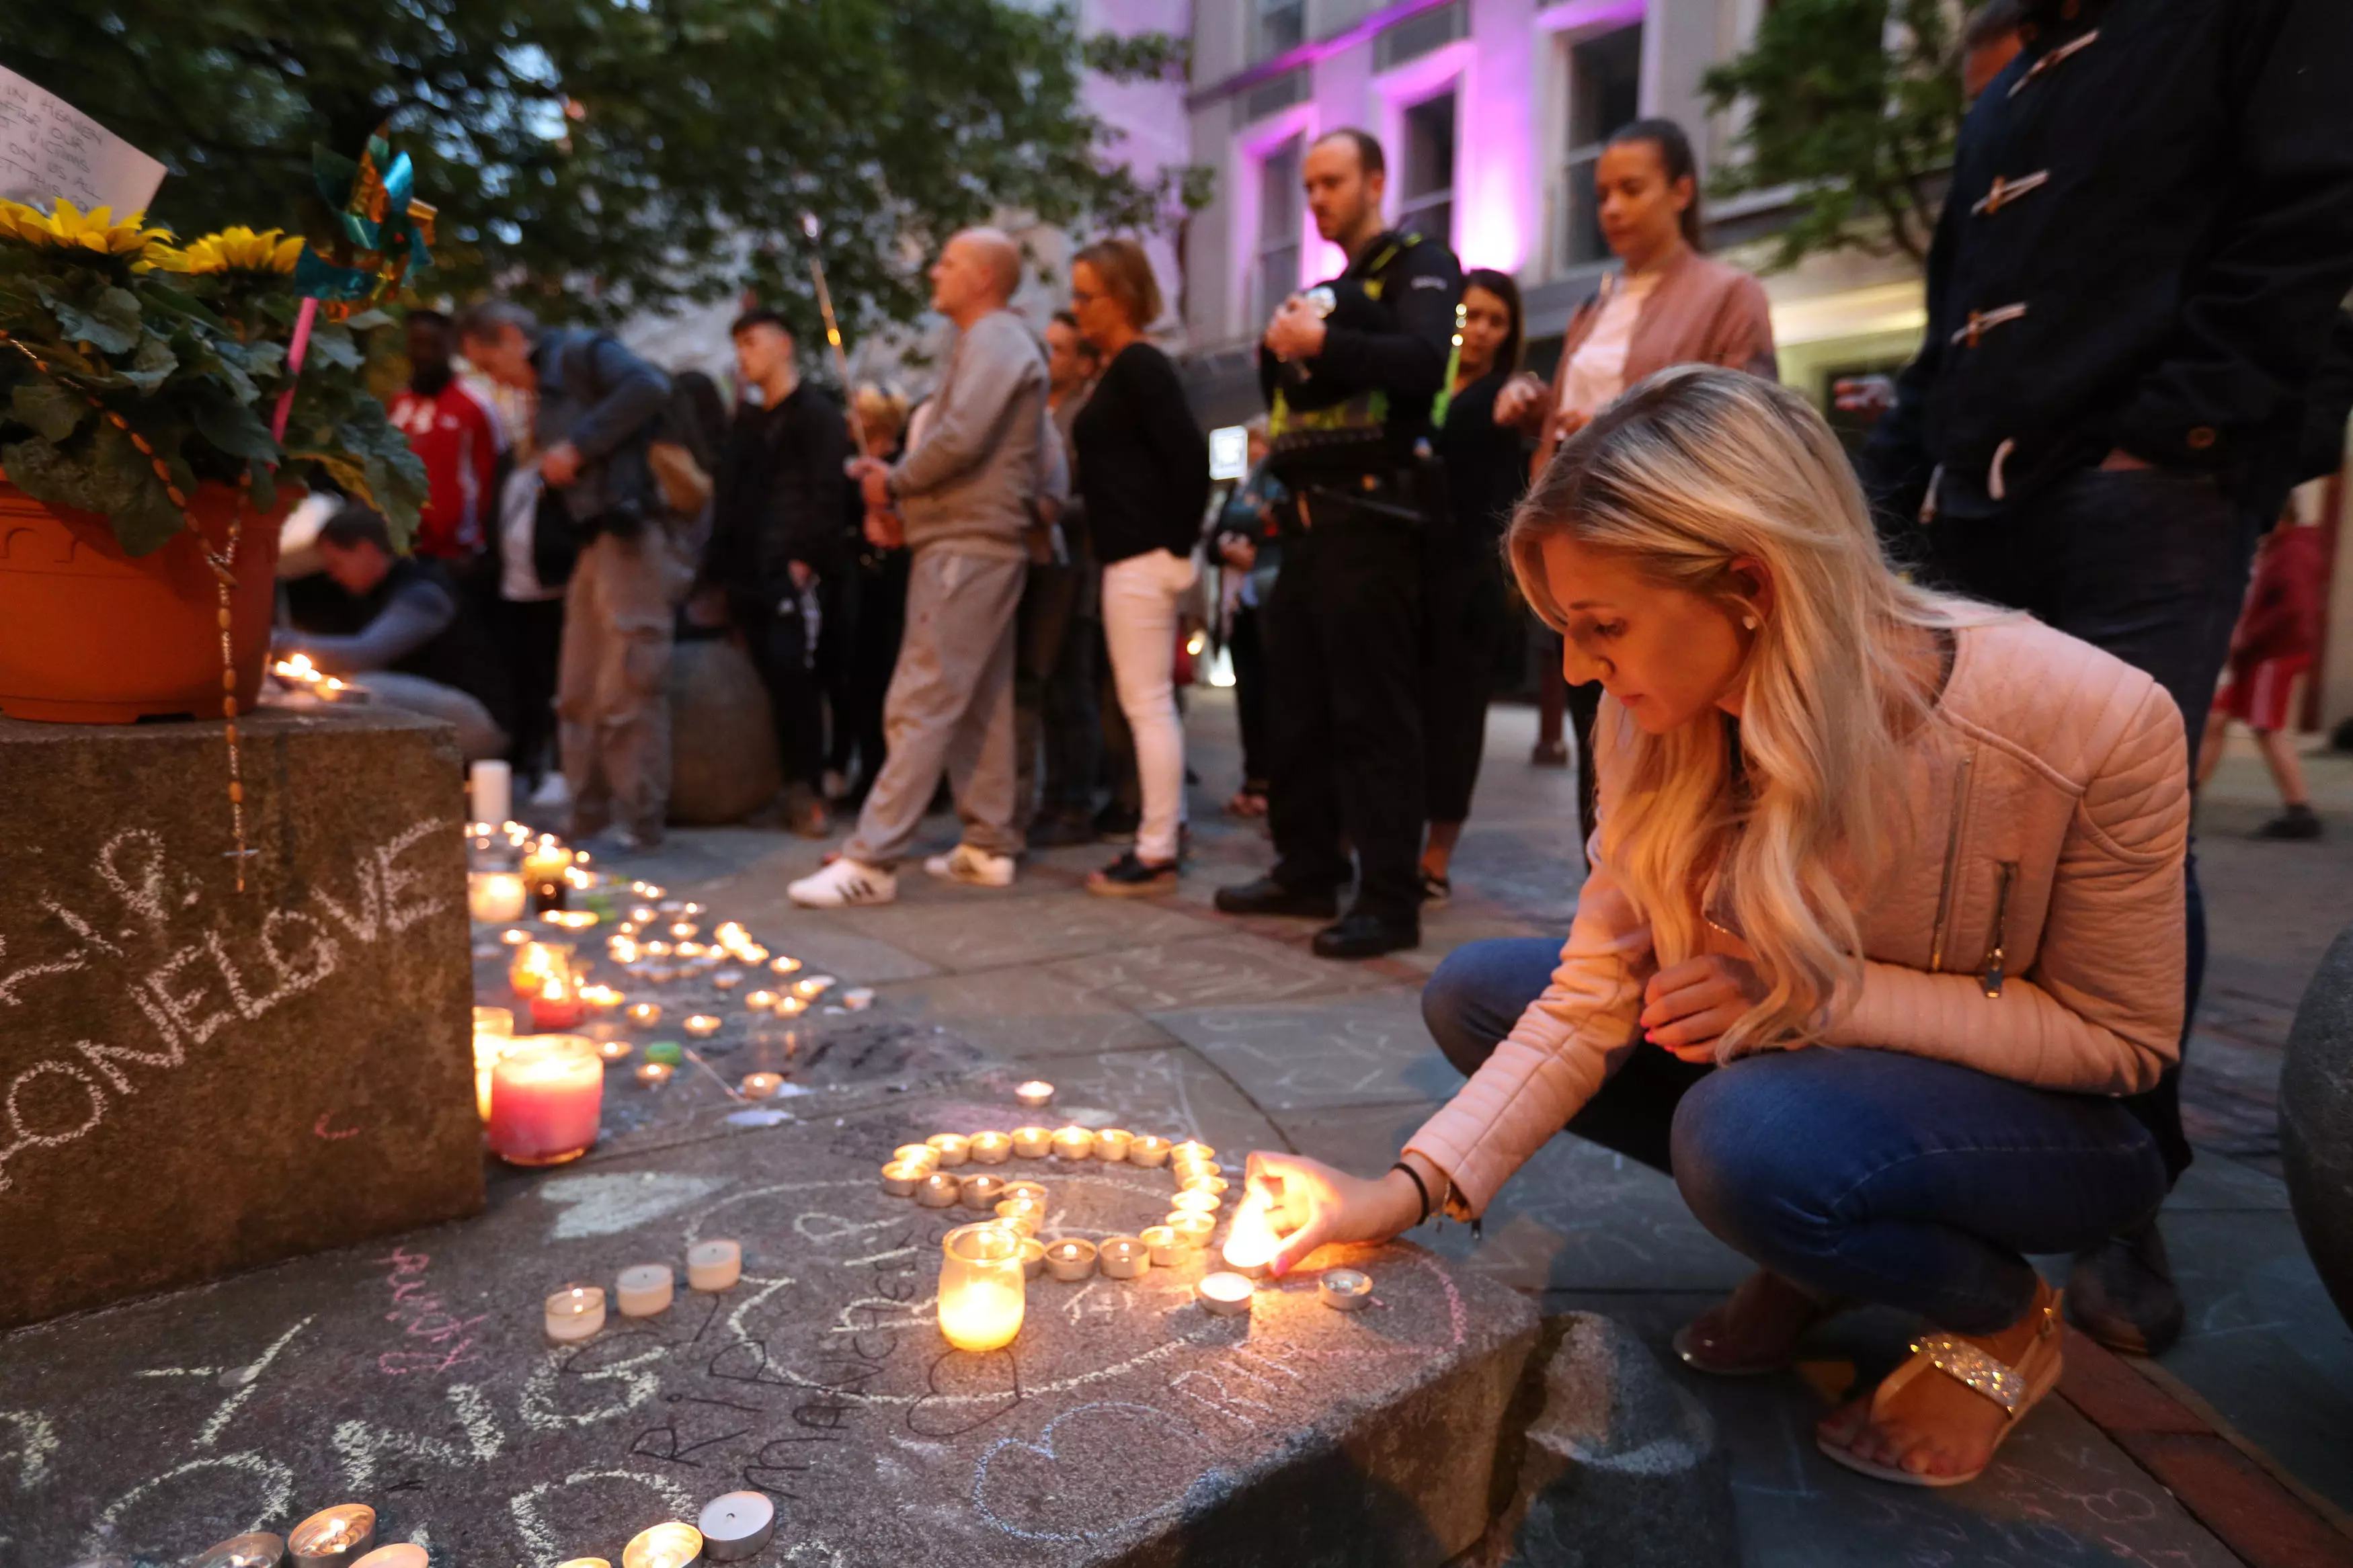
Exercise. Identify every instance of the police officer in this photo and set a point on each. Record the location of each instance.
(1353, 371)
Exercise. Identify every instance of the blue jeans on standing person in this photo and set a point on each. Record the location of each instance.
(1864, 1174)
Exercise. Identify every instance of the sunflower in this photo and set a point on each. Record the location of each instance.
(238, 249)
(69, 229)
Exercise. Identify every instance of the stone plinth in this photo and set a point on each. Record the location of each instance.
(723, 745)
(1123, 1426)
(2315, 1112)
(195, 1080)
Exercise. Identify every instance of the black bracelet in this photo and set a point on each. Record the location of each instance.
(1415, 1176)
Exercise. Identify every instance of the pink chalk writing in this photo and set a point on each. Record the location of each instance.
(423, 1317)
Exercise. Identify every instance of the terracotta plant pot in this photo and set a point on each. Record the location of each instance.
(91, 635)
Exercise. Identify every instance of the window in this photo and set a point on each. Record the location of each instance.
(1418, 34)
(1604, 94)
(1274, 265)
(1425, 190)
(1277, 27)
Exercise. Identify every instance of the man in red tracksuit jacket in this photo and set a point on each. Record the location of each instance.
(456, 439)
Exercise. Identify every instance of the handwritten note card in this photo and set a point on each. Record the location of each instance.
(50, 148)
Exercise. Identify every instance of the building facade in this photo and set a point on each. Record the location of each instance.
(1492, 114)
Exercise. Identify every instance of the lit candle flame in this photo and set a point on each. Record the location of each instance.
(1251, 1241)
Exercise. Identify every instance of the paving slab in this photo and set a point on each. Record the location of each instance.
(1322, 1055)
(1170, 1091)
(1039, 929)
(1206, 971)
(1123, 1426)
(1024, 1014)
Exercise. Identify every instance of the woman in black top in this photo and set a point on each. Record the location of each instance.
(1486, 469)
(1144, 473)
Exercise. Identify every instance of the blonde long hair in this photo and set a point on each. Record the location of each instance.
(1692, 469)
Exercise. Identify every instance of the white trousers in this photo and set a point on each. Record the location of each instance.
(1140, 599)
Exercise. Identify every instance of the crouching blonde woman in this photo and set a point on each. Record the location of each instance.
(1885, 915)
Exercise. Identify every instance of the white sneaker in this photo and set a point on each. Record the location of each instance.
(552, 793)
(966, 864)
(843, 883)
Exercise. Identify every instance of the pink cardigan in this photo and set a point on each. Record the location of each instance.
(2054, 828)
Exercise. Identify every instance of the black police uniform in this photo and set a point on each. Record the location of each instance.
(1344, 626)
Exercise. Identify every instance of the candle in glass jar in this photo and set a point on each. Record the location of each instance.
(901, 1177)
(939, 1191)
(761, 1085)
(1123, 1256)
(1226, 1295)
(1032, 1142)
(333, 1536)
(980, 1287)
(645, 1289)
(1035, 1095)
(1161, 1241)
(714, 1265)
(546, 861)
(1070, 1258)
(1074, 1143)
(1150, 1151)
(494, 898)
(981, 1192)
(547, 1093)
(576, 1312)
(557, 1006)
(953, 1148)
(1111, 1144)
(990, 1148)
(493, 1031)
(702, 1025)
(667, 1545)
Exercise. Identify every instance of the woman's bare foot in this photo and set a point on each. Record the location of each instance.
(1935, 1424)
(1755, 1329)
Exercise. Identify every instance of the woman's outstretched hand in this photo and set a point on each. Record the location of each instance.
(1315, 1203)
(1687, 1006)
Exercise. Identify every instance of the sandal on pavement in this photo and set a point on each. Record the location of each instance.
(2016, 1388)
(1690, 1340)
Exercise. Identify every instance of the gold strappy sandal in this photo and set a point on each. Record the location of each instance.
(2017, 1389)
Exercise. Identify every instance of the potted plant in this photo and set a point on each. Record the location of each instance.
(142, 483)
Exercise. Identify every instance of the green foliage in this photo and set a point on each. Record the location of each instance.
(194, 365)
(1857, 104)
(599, 155)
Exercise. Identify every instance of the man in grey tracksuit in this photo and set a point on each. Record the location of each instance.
(965, 497)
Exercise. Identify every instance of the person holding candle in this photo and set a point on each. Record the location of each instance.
(1885, 919)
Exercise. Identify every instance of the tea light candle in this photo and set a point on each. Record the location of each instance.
(645, 1289)
(727, 979)
(1024, 1215)
(736, 1526)
(494, 898)
(761, 1085)
(690, 949)
(1226, 1295)
(1161, 1241)
(1192, 1229)
(759, 1000)
(653, 1074)
(790, 1006)
(813, 985)
(259, 1550)
(1021, 1187)
(939, 1191)
(333, 1536)
(1218, 1185)
(575, 1312)
(901, 1177)
(1180, 1166)
(786, 964)
(642, 914)
(1111, 1144)
(953, 1148)
(1192, 1149)
(614, 1050)
(731, 933)
(657, 949)
(1195, 1203)
(583, 1563)
(399, 1555)
(857, 998)
(514, 936)
(599, 999)
(752, 952)
(1074, 1143)
(1251, 1242)
(1070, 1258)
(533, 963)
(684, 928)
(922, 1154)
(1344, 1289)
(1123, 1256)
(702, 1025)
(1035, 1095)
(572, 920)
(990, 1148)
(668, 1545)
(982, 1192)
(714, 1265)
(1033, 1257)
(547, 1094)
(1150, 1151)
(644, 1014)
(1032, 1142)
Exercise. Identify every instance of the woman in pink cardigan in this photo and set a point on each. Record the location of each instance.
(1885, 915)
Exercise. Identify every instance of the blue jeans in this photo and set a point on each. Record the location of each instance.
(1866, 1175)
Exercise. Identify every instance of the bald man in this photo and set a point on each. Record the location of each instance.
(962, 500)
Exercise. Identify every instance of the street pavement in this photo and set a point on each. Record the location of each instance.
(2231, 1448)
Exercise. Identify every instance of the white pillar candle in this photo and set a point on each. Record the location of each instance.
(1035, 1095)
(990, 1148)
(1123, 1256)
(1226, 1295)
(576, 1312)
(1150, 1151)
(953, 1148)
(1111, 1144)
(736, 1526)
(645, 1289)
(1032, 1142)
(1345, 1289)
(714, 1265)
(489, 791)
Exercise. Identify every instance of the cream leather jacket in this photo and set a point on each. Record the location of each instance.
(2034, 930)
